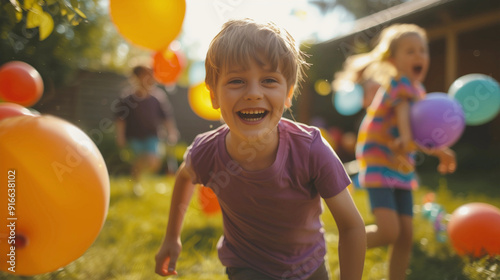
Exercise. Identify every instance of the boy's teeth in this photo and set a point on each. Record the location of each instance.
(246, 112)
(252, 114)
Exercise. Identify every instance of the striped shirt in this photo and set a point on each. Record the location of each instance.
(381, 166)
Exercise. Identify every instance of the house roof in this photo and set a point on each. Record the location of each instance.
(402, 11)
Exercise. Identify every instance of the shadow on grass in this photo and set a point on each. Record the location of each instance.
(428, 267)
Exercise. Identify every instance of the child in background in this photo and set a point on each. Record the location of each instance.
(268, 172)
(385, 149)
(141, 116)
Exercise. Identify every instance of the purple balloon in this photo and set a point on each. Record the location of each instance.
(437, 121)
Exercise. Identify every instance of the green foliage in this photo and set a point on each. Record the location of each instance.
(484, 268)
(55, 57)
(83, 37)
(38, 16)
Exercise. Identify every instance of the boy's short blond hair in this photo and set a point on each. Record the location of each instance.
(241, 40)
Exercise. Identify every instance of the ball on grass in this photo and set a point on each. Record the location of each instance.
(474, 229)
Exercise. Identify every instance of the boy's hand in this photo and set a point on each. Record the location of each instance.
(166, 258)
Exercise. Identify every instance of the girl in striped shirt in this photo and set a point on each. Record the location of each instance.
(385, 149)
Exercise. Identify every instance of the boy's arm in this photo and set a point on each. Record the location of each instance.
(352, 235)
(170, 249)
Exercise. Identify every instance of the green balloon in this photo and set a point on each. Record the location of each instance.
(479, 96)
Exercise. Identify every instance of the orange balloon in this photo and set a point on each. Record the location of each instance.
(201, 104)
(152, 24)
(208, 200)
(168, 66)
(474, 229)
(57, 184)
(20, 83)
(8, 110)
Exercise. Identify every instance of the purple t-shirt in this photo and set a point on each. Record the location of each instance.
(271, 216)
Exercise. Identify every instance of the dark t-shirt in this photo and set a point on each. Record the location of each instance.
(143, 115)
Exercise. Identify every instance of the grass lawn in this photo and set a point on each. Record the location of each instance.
(134, 228)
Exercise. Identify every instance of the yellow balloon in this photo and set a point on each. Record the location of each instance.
(152, 24)
(322, 87)
(201, 104)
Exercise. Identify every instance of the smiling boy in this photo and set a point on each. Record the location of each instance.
(269, 173)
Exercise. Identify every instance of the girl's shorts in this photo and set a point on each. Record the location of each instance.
(398, 200)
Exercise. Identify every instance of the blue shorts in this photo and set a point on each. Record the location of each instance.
(144, 146)
(398, 200)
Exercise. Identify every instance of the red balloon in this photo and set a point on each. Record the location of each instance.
(208, 200)
(8, 110)
(167, 66)
(474, 229)
(20, 83)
